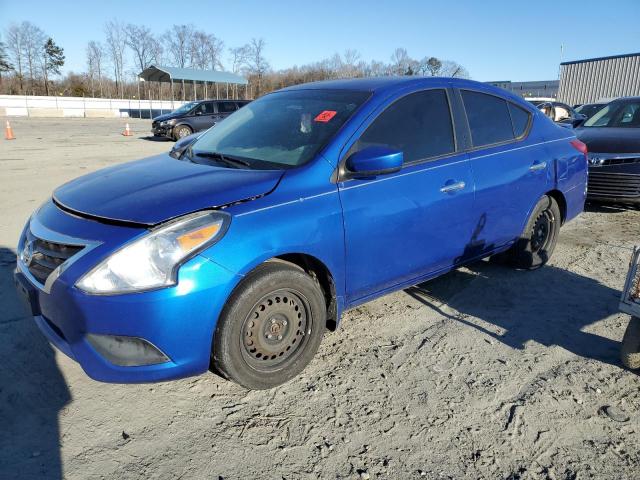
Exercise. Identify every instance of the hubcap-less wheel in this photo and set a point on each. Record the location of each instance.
(183, 132)
(542, 228)
(274, 332)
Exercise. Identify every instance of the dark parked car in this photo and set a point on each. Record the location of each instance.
(560, 113)
(194, 117)
(590, 109)
(307, 202)
(613, 138)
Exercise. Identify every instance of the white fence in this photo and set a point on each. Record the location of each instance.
(35, 106)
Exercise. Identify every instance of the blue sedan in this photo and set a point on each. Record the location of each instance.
(238, 255)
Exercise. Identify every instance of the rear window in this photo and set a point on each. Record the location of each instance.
(419, 125)
(226, 107)
(519, 119)
(489, 118)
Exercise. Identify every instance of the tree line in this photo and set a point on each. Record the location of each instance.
(29, 59)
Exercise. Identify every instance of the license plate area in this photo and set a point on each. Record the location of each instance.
(27, 292)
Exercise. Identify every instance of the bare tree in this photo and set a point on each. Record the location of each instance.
(256, 61)
(33, 41)
(238, 57)
(179, 44)
(15, 45)
(351, 57)
(95, 58)
(453, 69)
(142, 43)
(116, 42)
(5, 65)
(400, 61)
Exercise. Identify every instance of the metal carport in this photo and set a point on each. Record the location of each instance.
(203, 77)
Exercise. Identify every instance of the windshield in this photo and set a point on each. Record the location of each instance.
(617, 114)
(590, 109)
(185, 108)
(280, 130)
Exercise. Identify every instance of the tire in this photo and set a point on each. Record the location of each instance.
(538, 240)
(270, 328)
(630, 350)
(181, 131)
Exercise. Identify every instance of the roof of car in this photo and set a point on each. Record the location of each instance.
(375, 83)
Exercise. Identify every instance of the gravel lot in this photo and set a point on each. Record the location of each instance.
(483, 373)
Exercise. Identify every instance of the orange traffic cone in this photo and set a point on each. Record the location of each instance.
(8, 132)
(127, 131)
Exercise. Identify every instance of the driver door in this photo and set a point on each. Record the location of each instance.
(405, 225)
(203, 116)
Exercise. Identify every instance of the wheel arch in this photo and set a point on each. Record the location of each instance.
(558, 196)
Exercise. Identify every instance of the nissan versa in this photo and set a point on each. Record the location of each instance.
(238, 255)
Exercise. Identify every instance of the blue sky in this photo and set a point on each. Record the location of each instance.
(494, 40)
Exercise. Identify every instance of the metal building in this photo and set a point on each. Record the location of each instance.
(593, 79)
(538, 88)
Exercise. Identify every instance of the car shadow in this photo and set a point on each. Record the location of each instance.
(153, 138)
(32, 389)
(550, 306)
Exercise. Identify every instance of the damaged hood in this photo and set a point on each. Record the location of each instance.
(159, 188)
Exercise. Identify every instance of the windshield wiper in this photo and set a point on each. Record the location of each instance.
(226, 159)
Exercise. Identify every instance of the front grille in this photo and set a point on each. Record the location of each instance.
(618, 185)
(46, 256)
(620, 161)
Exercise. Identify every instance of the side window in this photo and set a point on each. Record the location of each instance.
(489, 119)
(519, 119)
(418, 124)
(226, 107)
(561, 112)
(205, 108)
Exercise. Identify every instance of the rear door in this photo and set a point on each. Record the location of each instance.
(224, 109)
(510, 166)
(402, 226)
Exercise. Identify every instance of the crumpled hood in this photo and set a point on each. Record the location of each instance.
(159, 188)
(610, 140)
(166, 116)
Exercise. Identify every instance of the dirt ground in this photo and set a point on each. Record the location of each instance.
(483, 373)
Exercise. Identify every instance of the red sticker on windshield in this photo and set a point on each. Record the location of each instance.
(325, 116)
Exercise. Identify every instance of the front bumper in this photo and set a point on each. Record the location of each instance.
(159, 131)
(178, 320)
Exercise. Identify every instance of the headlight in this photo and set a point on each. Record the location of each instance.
(168, 123)
(153, 260)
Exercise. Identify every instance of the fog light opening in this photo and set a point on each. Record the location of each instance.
(126, 351)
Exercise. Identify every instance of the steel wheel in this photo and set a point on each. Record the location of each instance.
(274, 332)
(541, 232)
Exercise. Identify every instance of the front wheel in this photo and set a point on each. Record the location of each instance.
(270, 328)
(538, 240)
(181, 131)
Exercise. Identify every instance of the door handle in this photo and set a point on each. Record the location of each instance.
(452, 187)
(538, 166)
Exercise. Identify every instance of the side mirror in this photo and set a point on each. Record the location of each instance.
(198, 112)
(373, 161)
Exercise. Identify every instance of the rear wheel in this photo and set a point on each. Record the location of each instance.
(538, 240)
(630, 350)
(270, 328)
(181, 131)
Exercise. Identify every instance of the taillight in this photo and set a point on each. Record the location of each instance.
(580, 146)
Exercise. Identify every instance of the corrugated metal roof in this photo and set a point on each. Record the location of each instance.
(611, 57)
(165, 74)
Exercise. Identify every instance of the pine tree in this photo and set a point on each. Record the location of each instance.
(53, 60)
